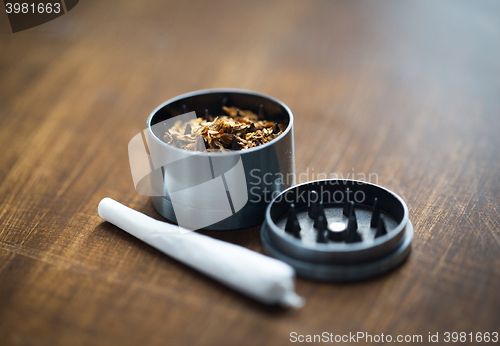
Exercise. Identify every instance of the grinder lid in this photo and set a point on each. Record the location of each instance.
(338, 230)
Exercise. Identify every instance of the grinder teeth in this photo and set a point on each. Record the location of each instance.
(321, 212)
(321, 227)
(352, 213)
(292, 224)
(347, 205)
(375, 214)
(352, 231)
(321, 223)
(339, 232)
(313, 205)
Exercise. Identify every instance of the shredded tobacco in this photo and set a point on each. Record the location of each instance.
(238, 130)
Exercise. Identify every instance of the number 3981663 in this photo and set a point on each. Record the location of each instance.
(32, 8)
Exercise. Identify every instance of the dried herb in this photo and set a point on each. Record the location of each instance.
(237, 129)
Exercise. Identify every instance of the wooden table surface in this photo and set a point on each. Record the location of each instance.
(406, 90)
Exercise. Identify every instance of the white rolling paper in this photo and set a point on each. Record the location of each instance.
(266, 279)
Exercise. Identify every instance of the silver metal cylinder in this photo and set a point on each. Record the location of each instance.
(220, 190)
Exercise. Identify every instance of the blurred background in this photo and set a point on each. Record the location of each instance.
(409, 90)
(362, 69)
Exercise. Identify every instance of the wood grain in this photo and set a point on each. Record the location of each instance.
(409, 91)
